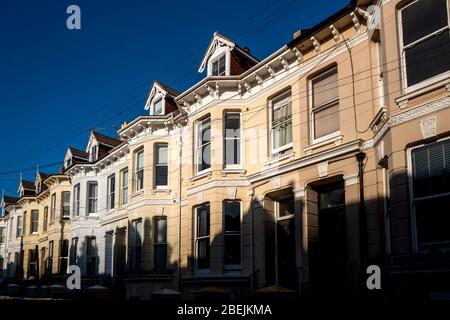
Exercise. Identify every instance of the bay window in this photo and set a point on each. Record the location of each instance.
(65, 204)
(52, 208)
(202, 237)
(232, 234)
(430, 184)
(92, 196)
(425, 40)
(124, 187)
(34, 221)
(161, 165)
(203, 145)
(139, 170)
(232, 139)
(111, 191)
(160, 242)
(281, 122)
(76, 200)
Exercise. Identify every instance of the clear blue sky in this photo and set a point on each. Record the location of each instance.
(56, 84)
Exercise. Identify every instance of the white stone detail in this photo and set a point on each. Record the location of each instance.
(322, 168)
(428, 127)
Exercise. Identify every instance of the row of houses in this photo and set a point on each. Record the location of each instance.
(295, 171)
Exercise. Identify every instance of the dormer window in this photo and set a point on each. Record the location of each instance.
(157, 107)
(94, 153)
(219, 66)
(68, 162)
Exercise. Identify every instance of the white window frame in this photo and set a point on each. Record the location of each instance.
(216, 60)
(62, 205)
(158, 98)
(198, 148)
(2, 236)
(232, 267)
(196, 238)
(136, 171)
(52, 208)
(45, 220)
(282, 97)
(19, 227)
(34, 223)
(157, 145)
(76, 200)
(412, 210)
(93, 156)
(426, 82)
(312, 110)
(239, 165)
(89, 198)
(111, 195)
(124, 187)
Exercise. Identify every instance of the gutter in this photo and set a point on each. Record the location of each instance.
(323, 24)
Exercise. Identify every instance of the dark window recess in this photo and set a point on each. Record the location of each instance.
(203, 229)
(422, 18)
(431, 193)
(232, 233)
(160, 244)
(428, 58)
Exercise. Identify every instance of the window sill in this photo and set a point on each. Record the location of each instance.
(161, 190)
(227, 171)
(336, 140)
(422, 88)
(289, 155)
(201, 175)
(137, 193)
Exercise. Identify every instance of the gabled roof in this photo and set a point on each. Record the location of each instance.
(27, 185)
(165, 87)
(8, 200)
(158, 88)
(220, 39)
(102, 139)
(78, 153)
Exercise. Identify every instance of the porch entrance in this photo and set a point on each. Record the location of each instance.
(328, 252)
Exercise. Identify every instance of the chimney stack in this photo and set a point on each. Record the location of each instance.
(297, 34)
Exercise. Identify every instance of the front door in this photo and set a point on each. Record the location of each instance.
(328, 264)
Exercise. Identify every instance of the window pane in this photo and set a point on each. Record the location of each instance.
(138, 233)
(157, 107)
(433, 221)
(325, 88)
(203, 221)
(161, 176)
(326, 121)
(428, 58)
(160, 256)
(232, 125)
(161, 230)
(431, 167)
(422, 18)
(203, 253)
(286, 207)
(125, 178)
(232, 151)
(140, 160)
(232, 216)
(215, 68)
(112, 184)
(92, 190)
(332, 198)
(222, 65)
(205, 157)
(232, 250)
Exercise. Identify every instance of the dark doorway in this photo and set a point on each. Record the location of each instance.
(328, 254)
(280, 253)
(119, 252)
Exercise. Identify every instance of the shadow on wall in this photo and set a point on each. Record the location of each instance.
(342, 239)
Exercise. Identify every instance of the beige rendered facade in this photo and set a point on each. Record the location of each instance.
(297, 171)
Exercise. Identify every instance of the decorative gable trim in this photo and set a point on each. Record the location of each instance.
(218, 41)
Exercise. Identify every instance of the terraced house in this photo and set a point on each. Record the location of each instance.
(294, 173)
